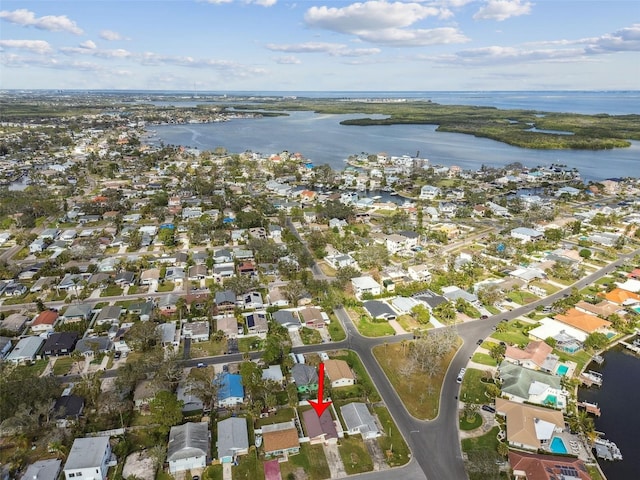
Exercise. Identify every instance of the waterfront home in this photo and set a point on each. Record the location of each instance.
(359, 421)
(188, 447)
(320, 429)
(602, 309)
(429, 192)
(233, 439)
(89, 458)
(529, 427)
(280, 439)
(529, 466)
(339, 373)
(584, 321)
(537, 355)
(521, 384)
(622, 297)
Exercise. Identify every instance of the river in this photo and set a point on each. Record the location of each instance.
(620, 419)
(323, 140)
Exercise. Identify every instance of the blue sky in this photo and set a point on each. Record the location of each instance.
(317, 45)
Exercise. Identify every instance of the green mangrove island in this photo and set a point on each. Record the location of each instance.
(521, 128)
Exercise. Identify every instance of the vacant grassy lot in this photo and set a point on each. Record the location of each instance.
(355, 456)
(487, 442)
(111, 291)
(373, 329)
(282, 415)
(392, 442)
(311, 459)
(62, 365)
(419, 392)
(166, 287)
(310, 336)
(249, 344)
(522, 297)
(335, 330)
(208, 349)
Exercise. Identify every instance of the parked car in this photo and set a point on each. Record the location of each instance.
(479, 342)
(200, 365)
(488, 408)
(484, 317)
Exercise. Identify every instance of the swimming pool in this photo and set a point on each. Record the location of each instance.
(636, 309)
(562, 370)
(550, 400)
(558, 446)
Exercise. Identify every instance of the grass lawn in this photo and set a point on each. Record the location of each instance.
(475, 423)
(419, 392)
(311, 459)
(36, 368)
(484, 359)
(409, 323)
(54, 297)
(547, 287)
(355, 456)
(373, 329)
(362, 377)
(335, 330)
(22, 254)
(581, 358)
(513, 333)
(282, 415)
(28, 298)
(212, 472)
(62, 365)
(310, 336)
(522, 297)
(487, 442)
(249, 344)
(111, 291)
(166, 287)
(493, 310)
(249, 467)
(473, 387)
(392, 443)
(208, 349)
(326, 269)
(133, 289)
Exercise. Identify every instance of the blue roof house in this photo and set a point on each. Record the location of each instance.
(230, 389)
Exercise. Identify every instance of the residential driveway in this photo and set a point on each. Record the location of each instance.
(396, 326)
(376, 454)
(336, 467)
(296, 341)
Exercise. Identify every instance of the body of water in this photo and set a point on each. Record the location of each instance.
(587, 102)
(620, 420)
(321, 138)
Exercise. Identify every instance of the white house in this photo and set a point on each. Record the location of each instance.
(429, 192)
(526, 234)
(419, 273)
(359, 420)
(89, 459)
(366, 284)
(188, 447)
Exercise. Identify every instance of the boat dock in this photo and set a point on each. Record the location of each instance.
(590, 378)
(607, 450)
(634, 347)
(592, 408)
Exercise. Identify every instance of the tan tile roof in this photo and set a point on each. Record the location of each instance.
(602, 309)
(619, 296)
(337, 369)
(582, 321)
(521, 420)
(536, 351)
(280, 436)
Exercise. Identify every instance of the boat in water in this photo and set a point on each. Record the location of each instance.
(606, 449)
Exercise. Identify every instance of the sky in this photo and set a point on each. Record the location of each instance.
(320, 45)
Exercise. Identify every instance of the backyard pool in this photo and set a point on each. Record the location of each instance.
(562, 370)
(558, 446)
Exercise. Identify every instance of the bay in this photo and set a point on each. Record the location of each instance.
(620, 421)
(321, 138)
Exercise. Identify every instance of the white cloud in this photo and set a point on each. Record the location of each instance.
(386, 23)
(367, 16)
(502, 9)
(398, 37)
(110, 35)
(90, 45)
(52, 23)
(262, 3)
(36, 46)
(287, 60)
(333, 49)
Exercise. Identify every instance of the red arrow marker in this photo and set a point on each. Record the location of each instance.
(320, 405)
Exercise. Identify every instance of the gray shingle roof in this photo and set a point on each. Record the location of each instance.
(188, 440)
